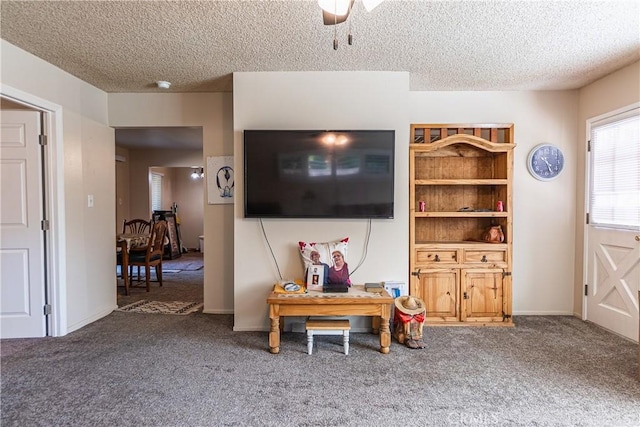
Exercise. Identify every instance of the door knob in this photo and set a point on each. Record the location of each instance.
(637, 238)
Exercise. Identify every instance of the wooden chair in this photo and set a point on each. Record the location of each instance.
(152, 256)
(136, 226)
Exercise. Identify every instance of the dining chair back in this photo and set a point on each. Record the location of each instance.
(136, 226)
(152, 256)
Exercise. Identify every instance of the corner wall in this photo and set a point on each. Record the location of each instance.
(85, 284)
(617, 90)
(213, 112)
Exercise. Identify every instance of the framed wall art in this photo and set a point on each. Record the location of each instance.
(220, 180)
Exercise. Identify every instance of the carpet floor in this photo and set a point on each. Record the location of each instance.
(152, 370)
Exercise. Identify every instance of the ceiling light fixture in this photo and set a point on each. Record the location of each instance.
(335, 7)
(335, 12)
(197, 172)
(162, 84)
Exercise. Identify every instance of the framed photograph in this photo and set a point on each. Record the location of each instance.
(315, 277)
(220, 180)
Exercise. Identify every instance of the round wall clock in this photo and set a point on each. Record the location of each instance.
(545, 162)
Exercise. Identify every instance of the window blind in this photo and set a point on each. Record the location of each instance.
(615, 171)
(156, 191)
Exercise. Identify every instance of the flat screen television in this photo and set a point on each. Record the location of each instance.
(318, 174)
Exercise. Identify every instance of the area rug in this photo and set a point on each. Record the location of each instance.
(162, 307)
(185, 265)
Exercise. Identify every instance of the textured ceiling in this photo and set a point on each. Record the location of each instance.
(125, 46)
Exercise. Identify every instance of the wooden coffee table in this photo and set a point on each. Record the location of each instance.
(356, 302)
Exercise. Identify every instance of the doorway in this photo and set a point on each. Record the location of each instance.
(32, 305)
(612, 233)
(172, 153)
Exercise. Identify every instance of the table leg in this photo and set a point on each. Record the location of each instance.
(385, 332)
(375, 324)
(274, 334)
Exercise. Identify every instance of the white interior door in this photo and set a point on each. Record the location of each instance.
(22, 274)
(613, 233)
(614, 277)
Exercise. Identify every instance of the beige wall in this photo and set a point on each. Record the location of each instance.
(617, 90)
(213, 112)
(542, 282)
(300, 101)
(83, 259)
(547, 266)
(188, 196)
(164, 161)
(122, 187)
(543, 212)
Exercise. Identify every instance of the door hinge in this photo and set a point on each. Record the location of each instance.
(43, 139)
(589, 146)
(47, 309)
(44, 225)
(586, 290)
(505, 317)
(587, 217)
(416, 273)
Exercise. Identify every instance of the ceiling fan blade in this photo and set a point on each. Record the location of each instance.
(329, 18)
(371, 4)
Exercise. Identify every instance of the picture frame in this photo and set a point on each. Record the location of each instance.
(315, 277)
(173, 250)
(220, 180)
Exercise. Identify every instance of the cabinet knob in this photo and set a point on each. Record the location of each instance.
(484, 258)
(437, 258)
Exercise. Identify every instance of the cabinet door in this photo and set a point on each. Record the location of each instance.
(482, 295)
(439, 291)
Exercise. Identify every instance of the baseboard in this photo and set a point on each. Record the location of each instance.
(218, 311)
(543, 313)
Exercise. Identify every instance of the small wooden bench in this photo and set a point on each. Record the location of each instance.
(328, 327)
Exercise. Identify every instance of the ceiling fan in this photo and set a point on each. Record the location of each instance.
(337, 11)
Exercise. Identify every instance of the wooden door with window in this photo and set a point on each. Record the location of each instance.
(613, 228)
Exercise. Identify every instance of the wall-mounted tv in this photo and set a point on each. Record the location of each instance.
(318, 174)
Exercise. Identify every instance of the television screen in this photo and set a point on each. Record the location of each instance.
(318, 174)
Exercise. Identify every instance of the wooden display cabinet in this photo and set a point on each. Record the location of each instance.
(461, 172)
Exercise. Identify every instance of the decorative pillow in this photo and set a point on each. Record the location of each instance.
(324, 249)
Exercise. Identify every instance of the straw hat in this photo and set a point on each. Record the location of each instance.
(410, 305)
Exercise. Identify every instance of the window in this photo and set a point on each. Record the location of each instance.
(156, 191)
(614, 199)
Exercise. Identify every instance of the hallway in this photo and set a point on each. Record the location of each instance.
(178, 284)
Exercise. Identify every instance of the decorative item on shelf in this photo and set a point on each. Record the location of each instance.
(545, 162)
(422, 206)
(493, 235)
(500, 206)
